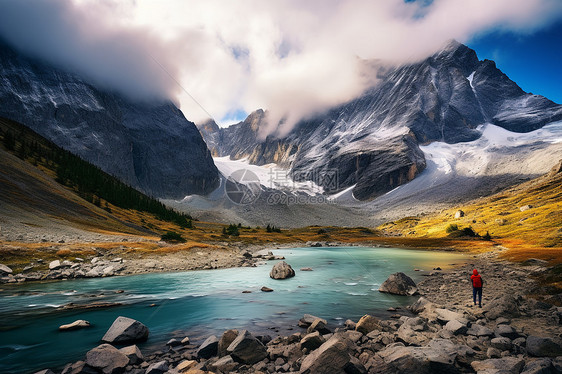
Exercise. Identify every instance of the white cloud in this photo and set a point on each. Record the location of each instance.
(292, 57)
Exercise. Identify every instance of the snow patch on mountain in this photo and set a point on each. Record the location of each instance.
(472, 159)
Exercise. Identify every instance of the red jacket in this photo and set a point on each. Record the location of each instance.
(476, 279)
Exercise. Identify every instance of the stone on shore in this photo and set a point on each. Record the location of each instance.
(223, 365)
(312, 341)
(399, 284)
(318, 324)
(54, 265)
(209, 348)
(282, 270)
(226, 339)
(307, 320)
(437, 357)
(543, 347)
(46, 371)
(330, 358)
(185, 366)
(367, 323)
(126, 330)
(78, 324)
(505, 365)
(456, 327)
(504, 306)
(5, 270)
(247, 349)
(159, 367)
(107, 359)
(133, 353)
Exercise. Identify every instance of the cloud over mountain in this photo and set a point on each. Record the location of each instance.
(291, 57)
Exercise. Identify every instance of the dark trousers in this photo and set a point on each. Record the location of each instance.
(477, 291)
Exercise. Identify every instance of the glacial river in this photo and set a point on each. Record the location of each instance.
(342, 285)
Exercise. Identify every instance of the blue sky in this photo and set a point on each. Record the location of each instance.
(533, 61)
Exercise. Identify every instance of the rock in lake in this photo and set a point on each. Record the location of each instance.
(78, 324)
(126, 330)
(107, 359)
(399, 284)
(5, 270)
(266, 289)
(247, 349)
(282, 270)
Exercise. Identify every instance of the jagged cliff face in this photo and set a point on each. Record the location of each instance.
(373, 140)
(148, 145)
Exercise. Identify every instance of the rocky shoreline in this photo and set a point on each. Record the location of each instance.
(111, 263)
(106, 264)
(440, 333)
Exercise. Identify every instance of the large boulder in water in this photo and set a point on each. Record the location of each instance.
(282, 270)
(107, 359)
(399, 284)
(126, 330)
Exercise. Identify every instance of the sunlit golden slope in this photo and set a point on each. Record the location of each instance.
(527, 219)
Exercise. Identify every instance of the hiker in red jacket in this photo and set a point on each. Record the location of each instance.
(477, 284)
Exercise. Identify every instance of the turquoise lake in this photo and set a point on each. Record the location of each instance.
(342, 285)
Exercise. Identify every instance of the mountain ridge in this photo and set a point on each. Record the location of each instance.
(373, 141)
(148, 145)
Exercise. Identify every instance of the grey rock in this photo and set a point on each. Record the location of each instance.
(126, 330)
(543, 346)
(133, 353)
(266, 289)
(307, 320)
(312, 341)
(226, 339)
(247, 349)
(421, 305)
(456, 327)
(399, 284)
(79, 367)
(107, 359)
(159, 367)
(538, 366)
(446, 315)
(54, 265)
(438, 356)
(209, 348)
(78, 324)
(46, 371)
(501, 343)
(507, 365)
(478, 330)
(5, 270)
(506, 331)
(224, 364)
(505, 306)
(330, 358)
(318, 324)
(173, 342)
(282, 270)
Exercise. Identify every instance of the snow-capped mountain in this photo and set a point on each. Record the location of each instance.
(148, 145)
(374, 141)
